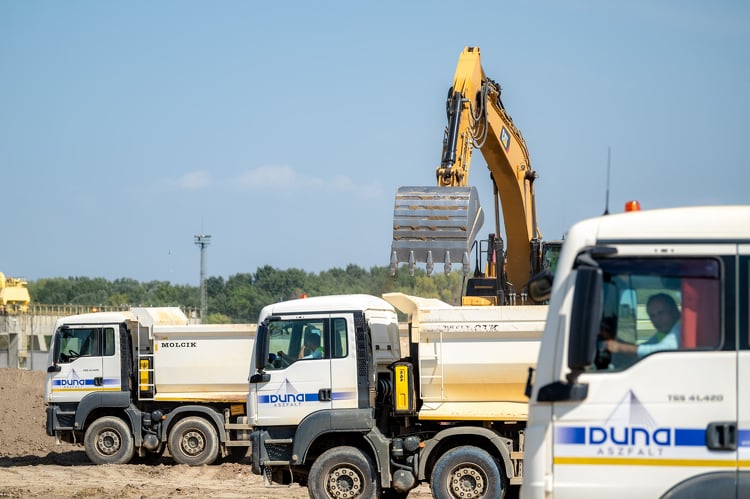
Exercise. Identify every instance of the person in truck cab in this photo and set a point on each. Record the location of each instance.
(311, 348)
(665, 316)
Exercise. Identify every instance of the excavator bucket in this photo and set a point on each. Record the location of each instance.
(435, 225)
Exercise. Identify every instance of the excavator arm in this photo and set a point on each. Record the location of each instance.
(440, 224)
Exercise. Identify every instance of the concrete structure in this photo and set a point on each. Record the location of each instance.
(24, 337)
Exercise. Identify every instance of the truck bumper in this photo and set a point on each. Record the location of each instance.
(59, 419)
(258, 452)
(50, 424)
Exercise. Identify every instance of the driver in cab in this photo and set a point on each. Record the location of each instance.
(665, 316)
(311, 348)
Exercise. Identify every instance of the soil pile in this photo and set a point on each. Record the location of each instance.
(32, 464)
(22, 419)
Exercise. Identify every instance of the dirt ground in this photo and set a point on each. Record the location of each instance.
(31, 464)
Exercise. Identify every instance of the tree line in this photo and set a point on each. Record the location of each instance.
(240, 297)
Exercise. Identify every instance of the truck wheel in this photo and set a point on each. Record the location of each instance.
(193, 441)
(468, 473)
(343, 472)
(108, 440)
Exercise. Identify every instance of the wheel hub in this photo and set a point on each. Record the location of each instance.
(108, 442)
(467, 483)
(344, 483)
(193, 443)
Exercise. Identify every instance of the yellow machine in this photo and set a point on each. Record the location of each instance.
(14, 296)
(440, 224)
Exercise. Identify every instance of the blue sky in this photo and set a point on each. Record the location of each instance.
(283, 129)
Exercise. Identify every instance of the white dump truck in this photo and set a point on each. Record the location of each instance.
(137, 382)
(337, 406)
(640, 385)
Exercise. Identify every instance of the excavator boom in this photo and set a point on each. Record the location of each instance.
(439, 224)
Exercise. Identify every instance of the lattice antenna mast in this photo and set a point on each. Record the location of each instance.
(203, 240)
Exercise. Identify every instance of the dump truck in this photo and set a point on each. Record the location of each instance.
(134, 383)
(362, 419)
(639, 390)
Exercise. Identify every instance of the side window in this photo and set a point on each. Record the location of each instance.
(297, 340)
(70, 345)
(313, 346)
(91, 345)
(280, 339)
(76, 343)
(109, 341)
(653, 305)
(340, 346)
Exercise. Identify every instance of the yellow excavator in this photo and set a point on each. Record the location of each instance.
(439, 224)
(14, 295)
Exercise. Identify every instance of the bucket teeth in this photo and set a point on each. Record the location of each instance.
(434, 224)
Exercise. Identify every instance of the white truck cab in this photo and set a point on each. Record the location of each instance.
(626, 403)
(297, 381)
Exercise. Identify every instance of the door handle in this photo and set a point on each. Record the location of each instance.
(98, 381)
(324, 395)
(722, 435)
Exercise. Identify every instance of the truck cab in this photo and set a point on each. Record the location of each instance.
(638, 388)
(299, 394)
(351, 415)
(91, 355)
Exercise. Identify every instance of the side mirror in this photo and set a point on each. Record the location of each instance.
(260, 378)
(585, 318)
(261, 347)
(56, 339)
(55, 368)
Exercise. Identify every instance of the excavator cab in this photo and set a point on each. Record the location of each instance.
(487, 285)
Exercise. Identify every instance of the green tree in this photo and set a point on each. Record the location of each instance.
(240, 297)
(218, 319)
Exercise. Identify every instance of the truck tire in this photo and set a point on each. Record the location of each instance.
(343, 472)
(193, 441)
(467, 472)
(108, 440)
